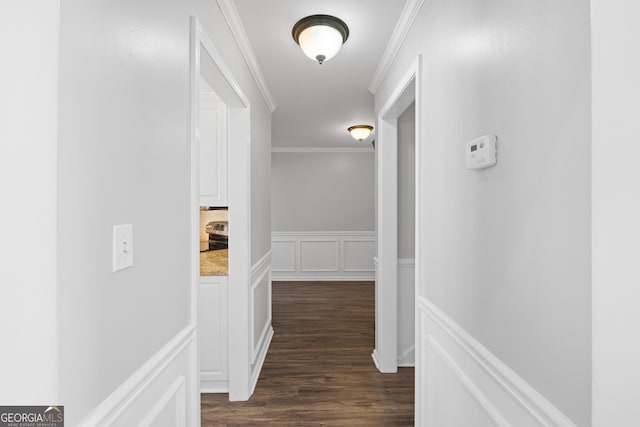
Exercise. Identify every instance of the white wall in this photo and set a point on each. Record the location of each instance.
(123, 158)
(506, 251)
(28, 83)
(322, 191)
(616, 233)
(407, 183)
(322, 214)
(260, 185)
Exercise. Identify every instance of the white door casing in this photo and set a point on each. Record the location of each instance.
(385, 354)
(207, 62)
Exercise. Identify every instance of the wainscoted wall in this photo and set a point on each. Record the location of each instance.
(406, 312)
(260, 323)
(159, 393)
(213, 334)
(342, 255)
(461, 383)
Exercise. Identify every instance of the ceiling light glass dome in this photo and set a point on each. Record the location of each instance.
(320, 36)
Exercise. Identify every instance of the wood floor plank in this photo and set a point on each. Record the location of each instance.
(319, 370)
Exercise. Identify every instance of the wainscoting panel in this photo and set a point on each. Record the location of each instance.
(213, 332)
(163, 392)
(284, 255)
(261, 328)
(463, 384)
(357, 255)
(170, 409)
(344, 255)
(406, 312)
(318, 255)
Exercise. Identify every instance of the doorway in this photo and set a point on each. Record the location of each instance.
(208, 65)
(395, 304)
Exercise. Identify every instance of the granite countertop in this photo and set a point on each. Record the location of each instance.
(214, 263)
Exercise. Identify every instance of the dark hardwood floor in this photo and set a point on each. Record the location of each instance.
(319, 370)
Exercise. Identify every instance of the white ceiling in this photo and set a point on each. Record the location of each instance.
(317, 103)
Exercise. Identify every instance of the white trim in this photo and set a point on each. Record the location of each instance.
(259, 271)
(214, 380)
(407, 354)
(348, 265)
(356, 270)
(531, 403)
(420, 243)
(494, 416)
(114, 405)
(374, 356)
(239, 199)
(405, 22)
(218, 59)
(368, 150)
(401, 96)
(322, 278)
(267, 327)
(177, 390)
(240, 35)
(407, 262)
(335, 242)
(264, 262)
(386, 337)
(264, 347)
(194, 205)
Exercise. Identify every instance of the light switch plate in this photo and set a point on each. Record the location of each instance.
(122, 246)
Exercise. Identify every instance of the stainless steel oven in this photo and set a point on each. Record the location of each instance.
(218, 232)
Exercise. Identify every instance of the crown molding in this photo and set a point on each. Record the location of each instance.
(240, 35)
(322, 149)
(405, 22)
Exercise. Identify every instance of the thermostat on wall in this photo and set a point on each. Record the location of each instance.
(481, 152)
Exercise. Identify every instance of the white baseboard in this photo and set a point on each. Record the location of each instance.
(163, 386)
(408, 358)
(262, 355)
(462, 383)
(374, 356)
(323, 256)
(214, 387)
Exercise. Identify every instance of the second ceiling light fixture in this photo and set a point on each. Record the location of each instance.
(320, 36)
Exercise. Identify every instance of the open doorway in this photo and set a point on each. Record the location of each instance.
(209, 73)
(406, 235)
(397, 205)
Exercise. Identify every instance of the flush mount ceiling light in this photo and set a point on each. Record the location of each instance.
(320, 36)
(360, 132)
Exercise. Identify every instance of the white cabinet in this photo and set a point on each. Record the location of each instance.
(213, 130)
(213, 334)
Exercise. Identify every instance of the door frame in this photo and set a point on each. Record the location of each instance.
(239, 201)
(385, 354)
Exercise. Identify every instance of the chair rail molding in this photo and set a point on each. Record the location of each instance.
(453, 361)
(163, 380)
